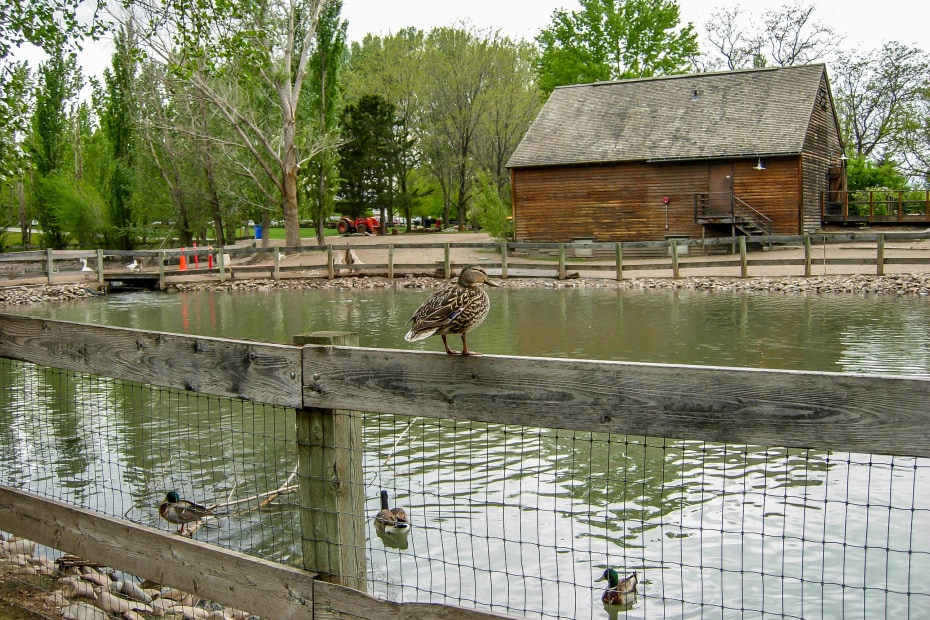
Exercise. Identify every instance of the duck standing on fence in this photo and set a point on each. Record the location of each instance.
(134, 265)
(84, 266)
(391, 520)
(181, 511)
(454, 309)
(618, 591)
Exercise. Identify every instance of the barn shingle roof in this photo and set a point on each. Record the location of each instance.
(748, 113)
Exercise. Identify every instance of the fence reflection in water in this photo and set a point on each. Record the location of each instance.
(505, 518)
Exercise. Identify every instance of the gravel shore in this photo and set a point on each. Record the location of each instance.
(909, 285)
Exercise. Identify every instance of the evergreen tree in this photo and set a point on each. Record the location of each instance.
(369, 156)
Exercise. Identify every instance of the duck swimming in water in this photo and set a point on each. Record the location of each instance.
(455, 309)
(618, 591)
(391, 520)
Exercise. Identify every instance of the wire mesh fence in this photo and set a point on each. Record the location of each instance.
(505, 518)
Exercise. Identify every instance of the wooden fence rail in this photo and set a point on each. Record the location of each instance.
(828, 411)
(610, 259)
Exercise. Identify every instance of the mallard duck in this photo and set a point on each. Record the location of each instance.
(618, 591)
(391, 520)
(454, 309)
(181, 511)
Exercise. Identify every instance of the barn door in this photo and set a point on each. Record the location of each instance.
(721, 187)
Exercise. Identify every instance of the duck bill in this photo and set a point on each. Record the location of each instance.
(491, 283)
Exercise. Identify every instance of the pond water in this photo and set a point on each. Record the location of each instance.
(713, 530)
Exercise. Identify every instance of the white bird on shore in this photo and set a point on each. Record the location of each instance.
(134, 266)
(84, 266)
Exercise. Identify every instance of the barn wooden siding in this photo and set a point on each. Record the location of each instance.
(623, 202)
(822, 149)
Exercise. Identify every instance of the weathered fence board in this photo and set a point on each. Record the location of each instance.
(332, 601)
(228, 577)
(829, 411)
(262, 372)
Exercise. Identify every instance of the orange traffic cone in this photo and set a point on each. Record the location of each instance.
(210, 261)
(196, 258)
(183, 265)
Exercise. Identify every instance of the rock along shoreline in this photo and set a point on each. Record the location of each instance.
(916, 285)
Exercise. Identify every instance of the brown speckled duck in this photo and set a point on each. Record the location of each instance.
(455, 309)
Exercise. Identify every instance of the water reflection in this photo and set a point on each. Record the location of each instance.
(514, 519)
(875, 334)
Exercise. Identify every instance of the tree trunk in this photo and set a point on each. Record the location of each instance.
(289, 200)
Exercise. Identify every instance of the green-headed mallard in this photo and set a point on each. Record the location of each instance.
(454, 309)
(391, 520)
(181, 511)
(618, 591)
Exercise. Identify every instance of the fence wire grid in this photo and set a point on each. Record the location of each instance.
(504, 518)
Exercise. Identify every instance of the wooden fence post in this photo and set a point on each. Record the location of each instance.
(504, 260)
(880, 255)
(807, 256)
(619, 262)
(674, 248)
(330, 484)
(330, 266)
(100, 278)
(49, 265)
(390, 271)
(561, 261)
(743, 265)
(277, 262)
(221, 263)
(161, 270)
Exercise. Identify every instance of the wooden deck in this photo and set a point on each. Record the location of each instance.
(888, 207)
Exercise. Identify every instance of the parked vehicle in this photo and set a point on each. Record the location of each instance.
(361, 225)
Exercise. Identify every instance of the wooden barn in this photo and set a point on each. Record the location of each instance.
(705, 155)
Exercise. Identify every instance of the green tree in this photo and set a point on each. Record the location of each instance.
(118, 120)
(58, 84)
(368, 157)
(48, 24)
(393, 67)
(249, 63)
(324, 107)
(613, 40)
(862, 174)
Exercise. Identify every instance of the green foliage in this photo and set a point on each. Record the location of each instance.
(118, 120)
(322, 109)
(490, 212)
(863, 174)
(80, 211)
(49, 24)
(369, 156)
(613, 40)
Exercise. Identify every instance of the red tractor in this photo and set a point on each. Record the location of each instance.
(362, 225)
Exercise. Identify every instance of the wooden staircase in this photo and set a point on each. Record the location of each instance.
(731, 211)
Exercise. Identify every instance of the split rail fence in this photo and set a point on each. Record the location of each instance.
(872, 433)
(674, 257)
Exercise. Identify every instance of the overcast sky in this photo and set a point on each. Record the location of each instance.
(863, 26)
(860, 22)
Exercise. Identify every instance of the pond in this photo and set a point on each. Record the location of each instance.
(524, 529)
